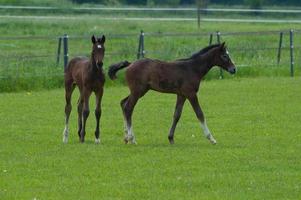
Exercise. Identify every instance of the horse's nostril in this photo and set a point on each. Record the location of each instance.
(232, 70)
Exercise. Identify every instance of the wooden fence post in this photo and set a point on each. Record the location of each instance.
(279, 48)
(218, 37)
(210, 39)
(292, 51)
(65, 41)
(59, 51)
(141, 52)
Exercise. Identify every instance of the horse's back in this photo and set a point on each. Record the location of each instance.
(151, 67)
(76, 62)
(167, 77)
(74, 68)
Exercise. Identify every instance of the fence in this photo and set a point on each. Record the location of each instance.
(269, 53)
(165, 13)
(142, 51)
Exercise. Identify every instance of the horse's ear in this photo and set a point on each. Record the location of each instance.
(103, 39)
(93, 39)
(223, 46)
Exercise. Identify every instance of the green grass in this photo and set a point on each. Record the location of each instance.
(255, 121)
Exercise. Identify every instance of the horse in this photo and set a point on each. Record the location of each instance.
(181, 77)
(87, 74)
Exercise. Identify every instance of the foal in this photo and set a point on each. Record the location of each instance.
(88, 75)
(181, 77)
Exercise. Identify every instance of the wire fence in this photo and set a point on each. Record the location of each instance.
(153, 13)
(252, 51)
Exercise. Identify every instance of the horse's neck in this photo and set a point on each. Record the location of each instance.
(92, 64)
(203, 63)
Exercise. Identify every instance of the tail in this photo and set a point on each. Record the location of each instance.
(115, 67)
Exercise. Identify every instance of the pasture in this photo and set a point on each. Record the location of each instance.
(256, 123)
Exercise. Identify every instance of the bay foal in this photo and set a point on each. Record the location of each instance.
(181, 77)
(88, 75)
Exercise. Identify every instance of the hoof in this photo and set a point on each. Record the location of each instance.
(97, 141)
(171, 141)
(211, 139)
(213, 142)
(133, 142)
(65, 140)
(129, 139)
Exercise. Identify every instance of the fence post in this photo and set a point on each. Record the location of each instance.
(210, 38)
(199, 15)
(218, 37)
(279, 48)
(141, 52)
(142, 44)
(65, 41)
(292, 52)
(59, 51)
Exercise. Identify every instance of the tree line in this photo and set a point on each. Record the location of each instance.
(251, 3)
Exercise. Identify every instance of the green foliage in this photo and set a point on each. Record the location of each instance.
(167, 2)
(36, 2)
(255, 4)
(255, 121)
(252, 3)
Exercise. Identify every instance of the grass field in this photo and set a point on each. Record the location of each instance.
(255, 121)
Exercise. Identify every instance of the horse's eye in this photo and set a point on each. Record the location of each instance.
(225, 57)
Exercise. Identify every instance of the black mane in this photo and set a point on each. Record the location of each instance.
(201, 52)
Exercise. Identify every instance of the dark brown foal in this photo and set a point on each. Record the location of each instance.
(88, 75)
(181, 77)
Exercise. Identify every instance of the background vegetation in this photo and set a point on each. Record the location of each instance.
(29, 55)
(154, 2)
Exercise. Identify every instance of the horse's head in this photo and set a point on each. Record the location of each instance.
(223, 59)
(98, 49)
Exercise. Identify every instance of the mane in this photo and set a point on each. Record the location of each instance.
(201, 52)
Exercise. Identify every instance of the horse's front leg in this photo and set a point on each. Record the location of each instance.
(85, 114)
(199, 113)
(176, 117)
(98, 114)
(69, 87)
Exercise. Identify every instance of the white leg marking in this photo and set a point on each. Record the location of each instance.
(207, 133)
(125, 129)
(97, 140)
(130, 136)
(66, 134)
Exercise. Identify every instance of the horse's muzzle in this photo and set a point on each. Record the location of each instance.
(232, 70)
(99, 64)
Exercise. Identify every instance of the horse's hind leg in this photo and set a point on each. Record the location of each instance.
(176, 117)
(198, 111)
(69, 87)
(122, 104)
(98, 114)
(80, 114)
(85, 114)
(127, 108)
